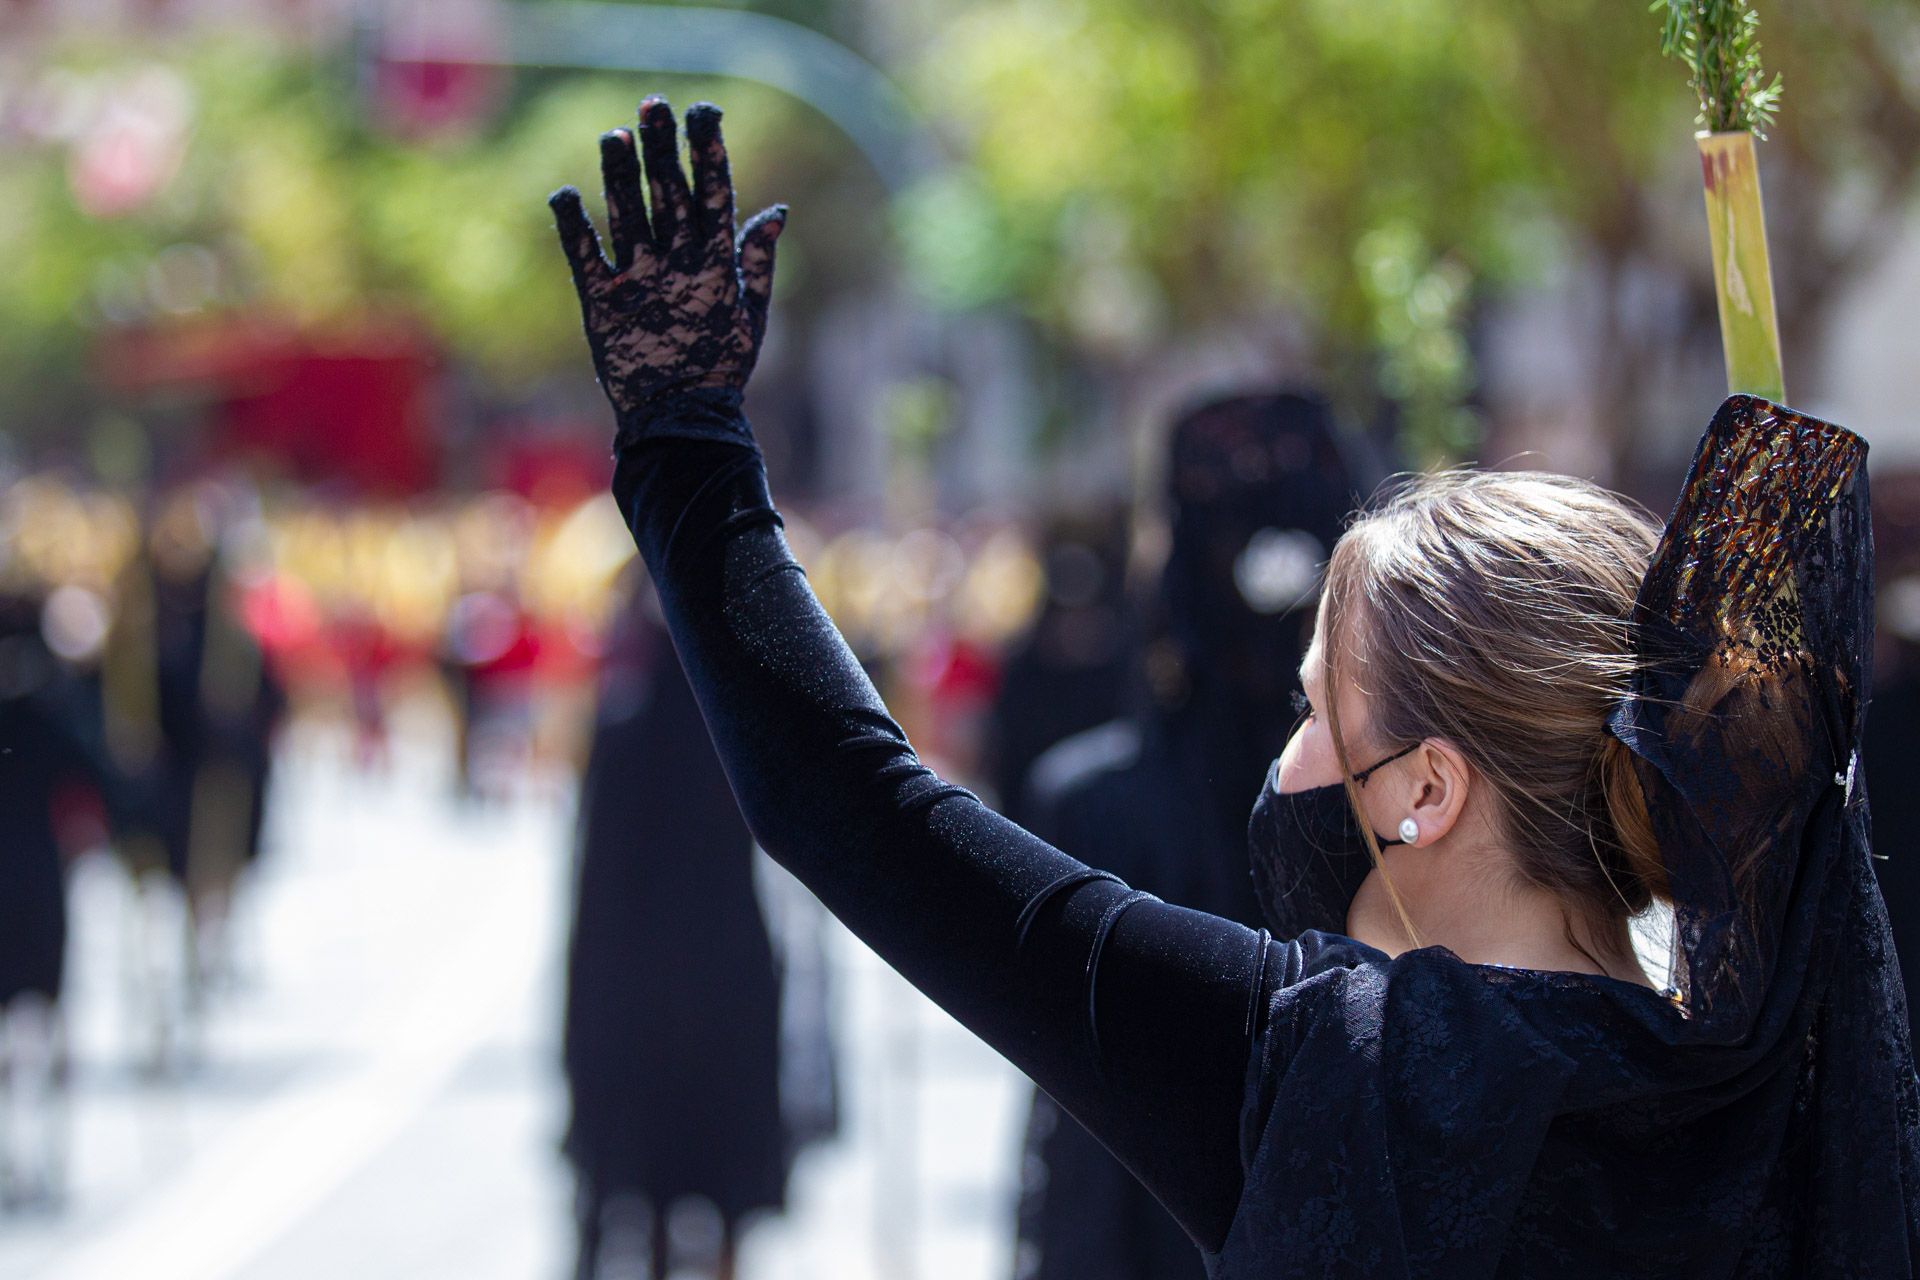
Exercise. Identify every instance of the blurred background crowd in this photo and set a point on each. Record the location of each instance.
(370, 902)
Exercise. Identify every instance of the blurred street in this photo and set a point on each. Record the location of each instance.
(377, 1094)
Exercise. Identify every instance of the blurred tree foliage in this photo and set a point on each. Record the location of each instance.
(290, 201)
(1138, 166)
(1125, 170)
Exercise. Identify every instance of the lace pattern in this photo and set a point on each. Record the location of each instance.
(676, 319)
(1749, 627)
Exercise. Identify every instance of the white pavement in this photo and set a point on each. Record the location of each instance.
(379, 1097)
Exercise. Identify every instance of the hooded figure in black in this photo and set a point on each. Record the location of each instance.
(41, 728)
(49, 740)
(1257, 488)
(192, 704)
(673, 999)
(1069, 671)
(51, 751)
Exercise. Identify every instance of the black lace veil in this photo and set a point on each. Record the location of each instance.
(1753, 634)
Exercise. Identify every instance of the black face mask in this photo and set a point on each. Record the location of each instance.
(1308, 854)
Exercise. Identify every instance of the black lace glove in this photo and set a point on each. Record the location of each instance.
(675, 321)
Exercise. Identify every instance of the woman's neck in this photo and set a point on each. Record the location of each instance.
(1484, 916)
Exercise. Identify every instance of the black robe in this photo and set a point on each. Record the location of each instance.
(673, 1000)
(49, 741)
(1891, 757)
(208, 706)
(1141, 797)
(1258, 488)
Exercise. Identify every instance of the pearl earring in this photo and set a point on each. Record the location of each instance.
(1409, 830)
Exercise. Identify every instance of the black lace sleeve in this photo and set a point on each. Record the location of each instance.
(1137, 1016)
(1753, 630)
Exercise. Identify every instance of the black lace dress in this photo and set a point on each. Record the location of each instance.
(1310, 1107)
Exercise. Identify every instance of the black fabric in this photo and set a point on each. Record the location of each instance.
(1891, 758)
(994, 924)
(1309, 855)
(1257, 489)
(1007, 932)
(216, 703)
(1135, 798)
(673, 1000)
(1521, 1123)
(1416, 1116)
(1406, 1116)
(49, 741)
(1069, 672)
(1082, 1216)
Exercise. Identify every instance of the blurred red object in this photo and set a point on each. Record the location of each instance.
(551, 469)
(964, 674)
(489, 633)
(958, 680)
(420, 99)
(79, 818)
(436, 68)
(282, 616)
(357, 407)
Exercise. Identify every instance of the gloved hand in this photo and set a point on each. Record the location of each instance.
(675, 322)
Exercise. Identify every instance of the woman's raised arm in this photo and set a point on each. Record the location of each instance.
(1137, 1016)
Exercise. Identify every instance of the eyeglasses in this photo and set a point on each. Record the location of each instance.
(1305, 710)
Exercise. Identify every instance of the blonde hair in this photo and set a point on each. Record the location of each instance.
(1491, 609)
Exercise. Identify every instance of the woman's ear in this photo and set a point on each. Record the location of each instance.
(1437, 781)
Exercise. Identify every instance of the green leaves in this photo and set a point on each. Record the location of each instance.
(1718, 40)
(289, 202)
(1138, 175)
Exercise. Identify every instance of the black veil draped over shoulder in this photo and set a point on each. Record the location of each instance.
(1759, 1119)
(1310, 1106)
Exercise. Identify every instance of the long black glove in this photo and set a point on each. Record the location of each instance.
(679, 314)
(1137, 1016)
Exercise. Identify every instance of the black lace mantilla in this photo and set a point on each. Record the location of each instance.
(1753, 628)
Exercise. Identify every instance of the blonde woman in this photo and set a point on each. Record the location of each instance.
(1530, 717)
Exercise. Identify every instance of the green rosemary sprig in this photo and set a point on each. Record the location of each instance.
(1718, 40)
